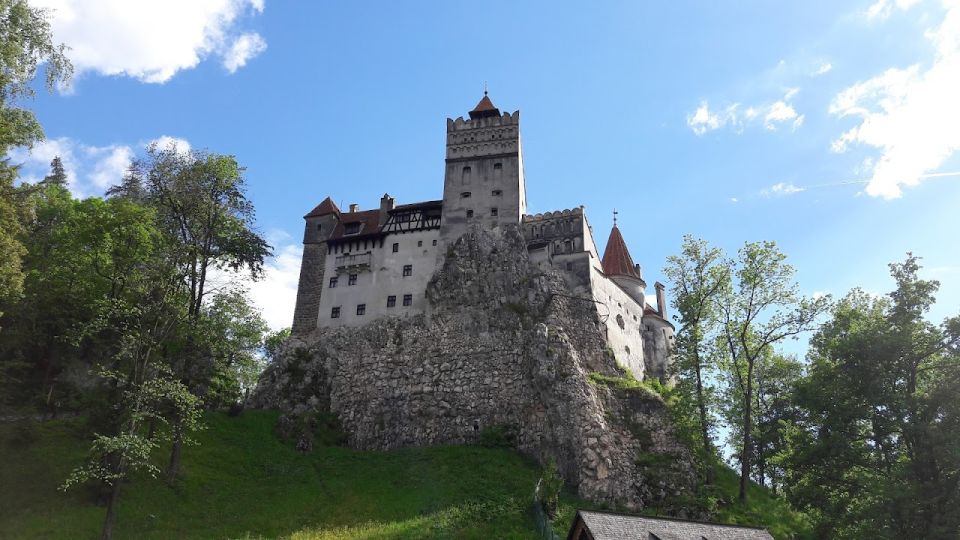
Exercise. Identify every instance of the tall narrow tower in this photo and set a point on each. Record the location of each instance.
(483, 182)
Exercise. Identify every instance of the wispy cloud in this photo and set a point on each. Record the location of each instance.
(824, 68)
(781, 189)
(737, 117)
(911, 115)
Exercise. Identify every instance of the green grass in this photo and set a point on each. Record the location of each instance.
(243, 482)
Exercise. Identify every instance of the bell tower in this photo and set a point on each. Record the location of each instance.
(483, 181)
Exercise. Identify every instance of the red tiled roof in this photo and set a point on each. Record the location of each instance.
(616, 257)
(326, 207)
(484, 108)
(369, 220)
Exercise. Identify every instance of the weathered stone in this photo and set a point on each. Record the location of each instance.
(502, 343)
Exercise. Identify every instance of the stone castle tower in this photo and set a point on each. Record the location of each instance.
(483, 181)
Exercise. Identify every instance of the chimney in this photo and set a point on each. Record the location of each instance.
(661, 300)
(386, 204)
(354, 207)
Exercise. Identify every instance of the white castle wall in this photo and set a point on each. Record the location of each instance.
(383, 278)
(624, 321)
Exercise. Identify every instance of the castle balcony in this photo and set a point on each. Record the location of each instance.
(351, 264)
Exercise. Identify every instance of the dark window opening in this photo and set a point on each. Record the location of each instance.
(497, 192)
(333, 283)
(497, 166)
(469, 213)
(335, 313)
(352, 280)
(407, 299)
(465, 195)
(494, 212)
(396, 247)
(391, 301)
(361, 309)
(419, 243)
(351, 228)
(434, 242)
(407, 270)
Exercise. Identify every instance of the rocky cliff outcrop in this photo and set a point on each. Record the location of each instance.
(504, 346)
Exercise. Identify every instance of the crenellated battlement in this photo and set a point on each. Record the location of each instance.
(529, 218)
(505, 119)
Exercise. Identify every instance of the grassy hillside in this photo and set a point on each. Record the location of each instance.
(243, 482)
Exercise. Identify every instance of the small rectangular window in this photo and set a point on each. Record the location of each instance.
(469, 213)
(361, 309)
(335, 313)
(396, 247)
(434, 242)
(391, 301)
(465, 195)
(419, 243)
(352, 280)
(497, 192)
(407, 270)
(407, 299)
(333, 282)
(351, 228)
(494, 212)
(497, 166)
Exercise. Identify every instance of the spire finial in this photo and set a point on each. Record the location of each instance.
(615, 217)
(484, 87)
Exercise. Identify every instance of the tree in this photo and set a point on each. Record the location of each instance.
(761, 309)
(58, 175)
(209, 224)
(876, 449)
(231, 331)
(25, 43)
(699, 276)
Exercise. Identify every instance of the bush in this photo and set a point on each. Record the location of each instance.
(498, 437)
(548, 489)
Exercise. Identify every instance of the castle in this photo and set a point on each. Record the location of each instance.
(360, 265)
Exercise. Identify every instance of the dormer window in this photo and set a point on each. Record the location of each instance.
(352, 228)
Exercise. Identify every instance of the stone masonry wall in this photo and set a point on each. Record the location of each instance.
(496, 348)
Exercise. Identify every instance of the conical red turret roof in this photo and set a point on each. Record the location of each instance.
(616, 257)
(484, 108)
(326, 207)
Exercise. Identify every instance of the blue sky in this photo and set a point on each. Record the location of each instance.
(832, 129)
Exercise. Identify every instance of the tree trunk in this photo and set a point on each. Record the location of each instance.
(106, 533)
(747, 432)
(705, 428)
(173, 469)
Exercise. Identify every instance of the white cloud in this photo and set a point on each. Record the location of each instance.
(90, 169)
(911, 115)
(244, 48)
(881, 9)
(734, 116)
(734, 200)
(109, 165)
(702, 120)
(152, 41)
(781, 189)
(165, 141)
(275, 295)
(824, 68)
